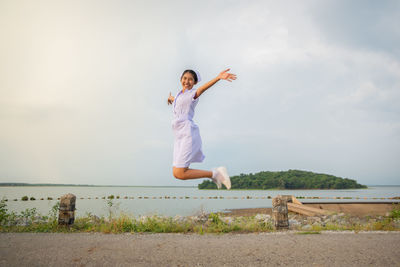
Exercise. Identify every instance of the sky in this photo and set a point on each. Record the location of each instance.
(84, 84)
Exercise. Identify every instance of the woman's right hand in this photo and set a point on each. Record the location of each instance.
(170, 99)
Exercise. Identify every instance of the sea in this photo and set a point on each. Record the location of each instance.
(174, 201)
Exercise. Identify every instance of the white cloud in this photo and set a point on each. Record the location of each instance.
(84, 95)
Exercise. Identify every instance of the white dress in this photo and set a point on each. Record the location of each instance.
(187, 142)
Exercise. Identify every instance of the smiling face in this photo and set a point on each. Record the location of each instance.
(187, 81)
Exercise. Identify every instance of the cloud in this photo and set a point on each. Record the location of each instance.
(83, 98)
(363, 25)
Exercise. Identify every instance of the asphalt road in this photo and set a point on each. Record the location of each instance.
(264, 249)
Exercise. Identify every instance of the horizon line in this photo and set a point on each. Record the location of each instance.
(94, 185)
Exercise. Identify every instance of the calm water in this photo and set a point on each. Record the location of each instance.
(172, 207)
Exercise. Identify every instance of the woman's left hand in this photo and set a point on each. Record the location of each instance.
(224, 75)
(170, 99)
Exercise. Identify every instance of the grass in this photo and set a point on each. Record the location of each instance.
(308, 233)
(30, 221)
(395, 213)
(153, 224)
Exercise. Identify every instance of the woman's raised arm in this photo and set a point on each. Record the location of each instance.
(224, 75)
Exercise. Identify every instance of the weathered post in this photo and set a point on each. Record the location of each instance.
(288, 198)
(280, 212)
(66, 215)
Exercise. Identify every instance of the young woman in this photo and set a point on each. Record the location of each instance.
(187, 142)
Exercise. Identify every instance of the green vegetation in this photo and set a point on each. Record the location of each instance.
(292, 179)
(30, 220)
(3, 211)
(24, 198)
(308, 233)
(395, 213)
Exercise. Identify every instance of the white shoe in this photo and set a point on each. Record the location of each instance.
(223, 177)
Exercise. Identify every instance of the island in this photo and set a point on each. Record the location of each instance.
(291, 179)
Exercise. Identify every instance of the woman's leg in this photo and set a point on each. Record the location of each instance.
(186, 173)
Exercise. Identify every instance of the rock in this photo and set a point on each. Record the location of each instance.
(227, 220)
(193, 218)
(143, 219)
(262, 217)
(39, 219)
(203, 217)
(179, 219)
(315, 219)
(94, 219)
(306, 227)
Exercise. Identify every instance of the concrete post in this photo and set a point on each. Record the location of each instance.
(66, 215)
(280, 212)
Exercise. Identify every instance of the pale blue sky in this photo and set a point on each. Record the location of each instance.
(83, 88)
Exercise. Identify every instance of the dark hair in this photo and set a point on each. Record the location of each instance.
(193, 74)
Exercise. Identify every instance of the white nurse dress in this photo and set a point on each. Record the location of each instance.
(187, 142)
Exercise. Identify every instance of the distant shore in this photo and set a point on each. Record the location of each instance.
(90, 185)
(170, 186)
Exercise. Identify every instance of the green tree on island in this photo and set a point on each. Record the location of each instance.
(291, 179)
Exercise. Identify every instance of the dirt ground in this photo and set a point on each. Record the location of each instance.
(357, 209)
(264, 249)
(354, 209)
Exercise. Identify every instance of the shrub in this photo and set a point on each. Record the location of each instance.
(24, 198)
(395, 213)
(3, 211)
(29, 214)
(215, 218)
(53, 213)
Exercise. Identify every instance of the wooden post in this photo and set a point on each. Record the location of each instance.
(288, 198)
(280, 212)
(66, 215)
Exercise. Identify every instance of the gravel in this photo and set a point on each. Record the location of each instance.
(279, 248)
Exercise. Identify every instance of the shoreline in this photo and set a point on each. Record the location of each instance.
(350, 208)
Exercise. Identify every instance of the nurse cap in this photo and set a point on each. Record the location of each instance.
(198, 76)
